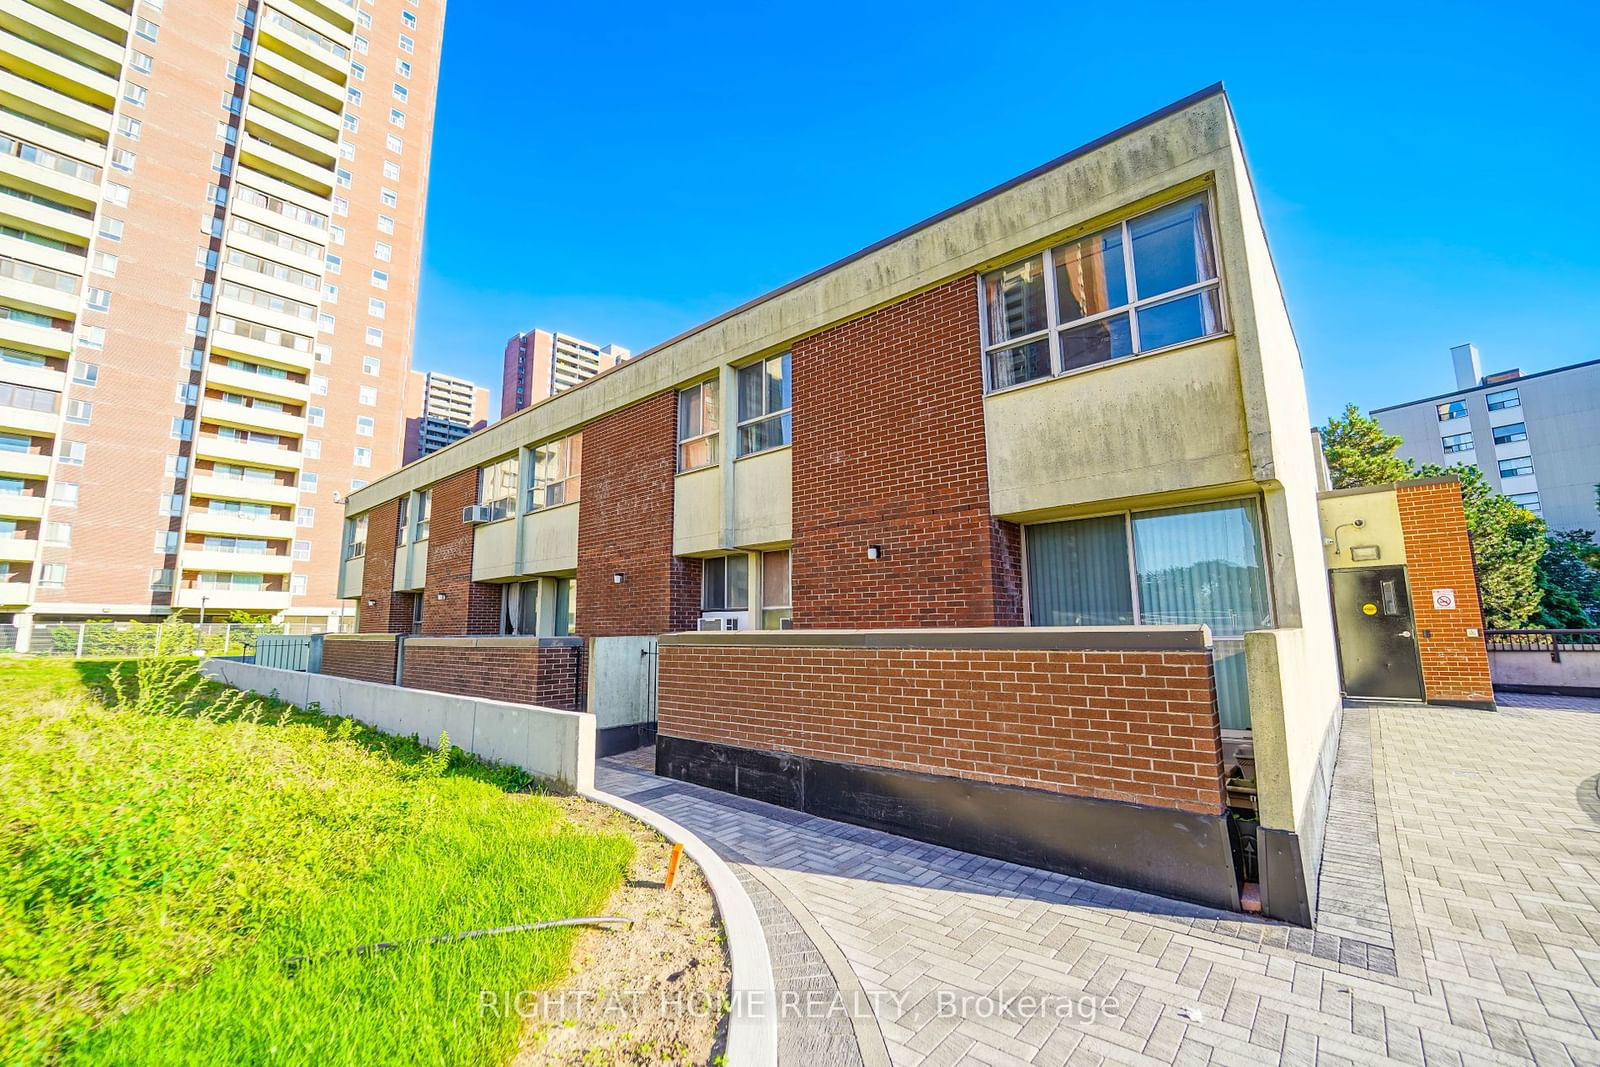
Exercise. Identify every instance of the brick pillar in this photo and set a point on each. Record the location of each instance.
(468, 607)
(889, 450)
(625, 525)
(1455, 664)
(382, 610)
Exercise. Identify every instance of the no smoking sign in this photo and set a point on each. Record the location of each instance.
(1444, 599)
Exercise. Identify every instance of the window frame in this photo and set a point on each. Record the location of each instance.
(1493, 405)
(1458, 447)
(1521, 433)
(1054, 327)
(569, 448)
(503, 506)
(712, 436)
(786, 357)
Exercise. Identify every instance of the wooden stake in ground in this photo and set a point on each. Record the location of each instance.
(672, 865)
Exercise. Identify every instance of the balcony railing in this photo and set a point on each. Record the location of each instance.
(1554, 642)
(19, 271)
(307, 34)
(32, 153)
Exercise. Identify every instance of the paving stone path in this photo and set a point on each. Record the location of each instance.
(1459, 922)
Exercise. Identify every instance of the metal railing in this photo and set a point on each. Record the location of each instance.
(1553, 642)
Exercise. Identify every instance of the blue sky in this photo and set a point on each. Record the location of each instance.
(1427, 177)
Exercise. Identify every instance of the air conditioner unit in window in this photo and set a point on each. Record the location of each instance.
(474, 513)
(786, 624)
(719, 624)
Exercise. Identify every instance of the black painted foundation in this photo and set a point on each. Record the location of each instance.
(1159, 850)
(615, 740)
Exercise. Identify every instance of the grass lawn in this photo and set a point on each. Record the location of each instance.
(158, 865)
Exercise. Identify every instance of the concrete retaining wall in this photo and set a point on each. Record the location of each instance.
(555, 745)
(1577, 673)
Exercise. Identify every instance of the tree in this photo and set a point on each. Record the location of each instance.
(1507, 543)
(1570, 581)
(1359, 452)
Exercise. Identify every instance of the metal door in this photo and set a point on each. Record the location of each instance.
(1377, 640)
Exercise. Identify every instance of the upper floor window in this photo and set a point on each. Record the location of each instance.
(697, 426)
(1460, 442)
(1505, 398)
(1514, 431)
(1454, 409)
(1516, 468)
(725, 583)
(1527, 501)
(497, 487)
(764, 398)
(355, 538)
(1148, 283)
(424, 513)
(557, 472)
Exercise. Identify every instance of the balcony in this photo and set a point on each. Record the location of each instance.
(17, 506)
(318, 48)
(18, 549)
(243, 452)
(338, 16)
(36, 423)
(311, 264)
(43, 255)
(299, 141)
(215, 409)
(23, 286)
(54, 33)
(31, 98)
(243, 381)
(56, 72)
(199, 558)
(25, 464)
(108, 18)
(23, 164)
(32, 338)
(14, 594)
(43, 216)
(33, 377)
(286, 166)
(256, 492)
(284, 72)
(256, 279)
(230, 599)
(292, 107)
(277, 320)
(261, 351)
(204, 521)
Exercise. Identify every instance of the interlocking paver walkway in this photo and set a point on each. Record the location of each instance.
(1459, 921)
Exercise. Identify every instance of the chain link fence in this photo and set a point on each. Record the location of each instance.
(90, 639)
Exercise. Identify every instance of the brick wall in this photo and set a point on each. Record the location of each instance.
(889, 450)
(1455, 664)
(625, 524)
(518, 670)
(1138, 726)
(366, 659)
(391, 612)
(468, 607)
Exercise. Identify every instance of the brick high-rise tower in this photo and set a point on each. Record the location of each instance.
(210, 225)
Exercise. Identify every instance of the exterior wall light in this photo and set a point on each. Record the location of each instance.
(438, 596)
(618, 578)
(874, 551)
(372, 603)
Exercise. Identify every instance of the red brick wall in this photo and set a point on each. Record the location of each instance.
(1455, 664)
(522, 673)
(468, 607)
(366, 659)
(889, 450)
(391, 612)
(1130, 726)
(625, 524)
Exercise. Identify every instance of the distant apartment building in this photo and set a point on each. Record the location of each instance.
(1536, 437)
(210, 226)
(441, 409)
(540, 364)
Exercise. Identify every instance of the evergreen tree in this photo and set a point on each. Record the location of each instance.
(1359, 452)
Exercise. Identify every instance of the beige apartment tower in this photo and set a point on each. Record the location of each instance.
(210, 225)
(541, 363)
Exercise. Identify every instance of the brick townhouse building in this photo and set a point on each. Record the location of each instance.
(1011, 514)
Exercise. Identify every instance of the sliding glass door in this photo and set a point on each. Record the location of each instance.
(1203, 563)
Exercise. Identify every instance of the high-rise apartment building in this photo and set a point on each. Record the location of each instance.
(210, 225)
(441, 409)
(541, 363)
(1536, 437)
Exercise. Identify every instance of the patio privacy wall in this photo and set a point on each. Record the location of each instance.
(546, 671)
(1095, 752)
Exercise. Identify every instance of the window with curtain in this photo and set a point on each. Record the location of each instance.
(1147, 283)
(775, 604)
(557, 472)
(497, 487)
(725, 583)
(520, 608)
(1203, 563)
(697, 426)
(764, 405)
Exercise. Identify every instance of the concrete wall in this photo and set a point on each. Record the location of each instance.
(557, 746)
(1379, 514)
(494, 550)
(697, 512)
(351, 573)
(1577, 673)
(550, 540)
(762, 499)
(545, 671)
(622, 681)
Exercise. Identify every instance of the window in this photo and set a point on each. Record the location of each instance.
(424, 513)
(355, 538)
(380, 279)
(374, 338)
(177, 466)
(79, 411)
(305, 516)
(1505, 398)
(135, 94)
(326, 322)
(407, 45)
(1196, 564)
(764, 405)
(123, 160)
(1091, 301)
(316, 416)
(775, 608)
(1509, 433)
(72, 453)
(391, 170)
(393, 143)
(335, 264)
(111, 229)
(54, 575)
(368, 396)
(129, 127)
(400, 92)
(1454, 409)
(58, 533)
(1460, 442)
(402, 68)
(376, 308)
(725, 583)
(497, 487)
(402, 525)
(16, 444)
(361, 44)
(85, 373)
(557, 472)
(382, 251)
(97, 299)
(161, 579)
(308, 482)
(313, 448)
(352, 94)
(171, 504)
(166, 542)
(519, 608)
(298, 584)
(146, 29)
(91, 336)
(371, 365)
(28, 398)
(409, 19)
(64, 494)
(358, 71)
(397, 117)
(142, 63)
(105, 263)
(365, 425)
(1516, 468)
(182, 429)
(302, 550)
(697, 426)
(1526, 501)
(342, 177)
(352, 122)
